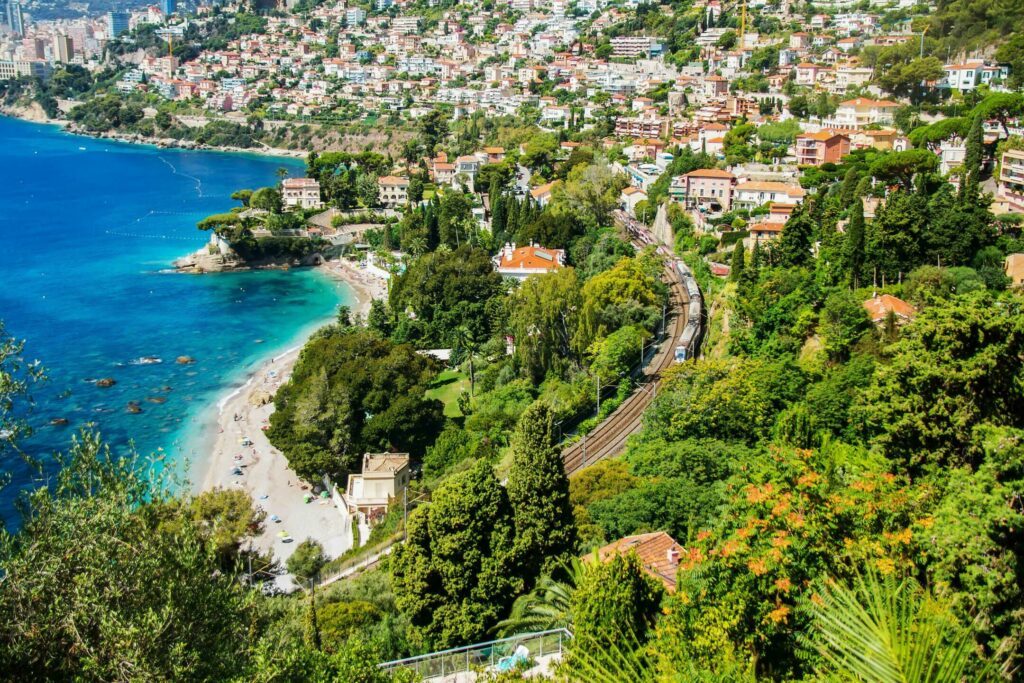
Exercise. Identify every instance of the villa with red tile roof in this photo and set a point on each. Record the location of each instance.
(658, 553)
(523, 262)
(880, 306)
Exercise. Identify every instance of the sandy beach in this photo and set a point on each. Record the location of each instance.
(240, 444)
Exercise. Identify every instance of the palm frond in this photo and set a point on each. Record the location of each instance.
(889, 630)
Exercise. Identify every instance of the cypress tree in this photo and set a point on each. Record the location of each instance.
(497, 211)
(970, 179)
(525, 214)
(738, 261)
(752, 272)
(848, 190)
(432, 230)
(795, 243)
(538, 490)
(512, 218)
(853, 245)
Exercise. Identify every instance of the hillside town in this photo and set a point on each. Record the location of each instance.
(681, 331)
(762, 99)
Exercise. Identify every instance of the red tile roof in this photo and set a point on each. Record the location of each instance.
(879, 307)
(709, 173)
(531, 258)
(654, 550)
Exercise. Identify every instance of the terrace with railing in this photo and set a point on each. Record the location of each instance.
(536, 651)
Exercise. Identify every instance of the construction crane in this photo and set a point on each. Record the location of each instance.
(743, 23)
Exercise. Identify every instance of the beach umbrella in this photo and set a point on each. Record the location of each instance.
(282, 533)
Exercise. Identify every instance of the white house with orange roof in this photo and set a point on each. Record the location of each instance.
(751, 194)
(521, 263)
(630, 197)
(542, 194)
(863, 111)
(393, 191)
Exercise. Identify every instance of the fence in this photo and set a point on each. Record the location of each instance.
(482, 655)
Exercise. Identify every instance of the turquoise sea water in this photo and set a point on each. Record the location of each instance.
(88, 229)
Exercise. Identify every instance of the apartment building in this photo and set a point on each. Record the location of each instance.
(1011, 180)
(633, 46)
(824, 147)
(643, 126)
(709, 189)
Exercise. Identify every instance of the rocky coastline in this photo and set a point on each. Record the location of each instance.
(34, 113)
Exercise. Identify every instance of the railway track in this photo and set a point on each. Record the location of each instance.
(609, 437)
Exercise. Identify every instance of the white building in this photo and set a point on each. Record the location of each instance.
(383, 479)
(303, 193)
(970, 75)
(750, 195)
(393, 191)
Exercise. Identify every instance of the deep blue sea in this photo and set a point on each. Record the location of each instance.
(88, 229)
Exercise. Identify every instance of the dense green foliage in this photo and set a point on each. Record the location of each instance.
(353, 392)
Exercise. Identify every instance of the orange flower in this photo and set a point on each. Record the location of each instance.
(758, 494)
(783, 584)
(899, 536)
(808, 479)
(885, 565)
(779, 614)
(758, 566)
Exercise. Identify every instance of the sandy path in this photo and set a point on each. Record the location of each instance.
(244, 414)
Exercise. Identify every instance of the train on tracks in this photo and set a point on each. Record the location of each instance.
(688, 344)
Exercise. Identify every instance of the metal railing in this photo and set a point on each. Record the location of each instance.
(480, 656)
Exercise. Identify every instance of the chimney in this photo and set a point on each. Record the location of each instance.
(509, 248)
(673, 555)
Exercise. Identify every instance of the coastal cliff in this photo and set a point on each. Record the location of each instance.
(220, 258)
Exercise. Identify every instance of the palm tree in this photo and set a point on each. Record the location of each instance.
(889, 630)
(547, 605)
(467, 341)
(282, 172)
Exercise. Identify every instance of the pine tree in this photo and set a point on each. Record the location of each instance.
(538, 489)
(970, 179)
(738, 261)
(853, 245)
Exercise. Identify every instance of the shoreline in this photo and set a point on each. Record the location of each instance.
(29, 115)
(243, 413)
